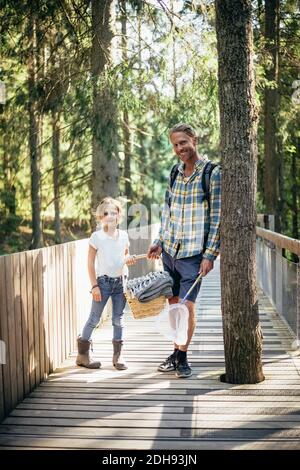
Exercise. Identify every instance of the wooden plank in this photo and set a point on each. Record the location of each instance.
(18, 324)
(43, 443)
(50, 283)
(24, 321)
(31, 349)
(68, 322)
(63, 303)
(6, 384)
(198, 422)
(212, 407)
(2, 404)
(11, 339)
(71, 276)
(36, 324)
(65, 431)
(55, 307)
(153, 433)
(200, 417)
(46, 308)
(41, 315)
(58, 304)
(182, 401)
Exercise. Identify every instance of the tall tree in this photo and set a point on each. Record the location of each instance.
(238, 118)
(105, 165)
(125, 122)
(271, 187)
(34, 127)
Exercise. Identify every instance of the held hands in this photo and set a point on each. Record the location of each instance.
(154, 252)
(96, 294)
(130, 260)
(206, 266)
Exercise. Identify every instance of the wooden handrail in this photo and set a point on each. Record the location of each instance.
(281, 241)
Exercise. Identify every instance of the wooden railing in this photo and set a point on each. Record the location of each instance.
(280, 241)
(278, 277)
(44, 302)
(37, 318)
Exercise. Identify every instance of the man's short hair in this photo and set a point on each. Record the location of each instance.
(183, 127)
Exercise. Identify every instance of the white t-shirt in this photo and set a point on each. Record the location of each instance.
(110, 253)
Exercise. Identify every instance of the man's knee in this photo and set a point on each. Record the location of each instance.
(174, 300)
(191, 308)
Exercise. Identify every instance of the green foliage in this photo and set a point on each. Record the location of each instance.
(169, 76)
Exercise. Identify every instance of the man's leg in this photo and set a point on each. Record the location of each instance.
(188, 269)
(169, 364)
(192, 324)
(183, 369)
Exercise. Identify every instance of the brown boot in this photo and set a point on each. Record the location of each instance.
(84, 357)
(118, 360)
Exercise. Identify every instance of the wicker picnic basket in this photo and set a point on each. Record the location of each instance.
(145, 309)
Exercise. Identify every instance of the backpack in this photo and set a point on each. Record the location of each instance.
(205, 181)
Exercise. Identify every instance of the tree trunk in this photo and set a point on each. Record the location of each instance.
(295, 196)
(174, 55)
(242, 333)
(142, 168)
(56, 160)
(105, 165)
(34, 134)
(271, 106)
(125, 123)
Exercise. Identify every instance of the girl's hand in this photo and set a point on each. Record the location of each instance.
(96, 293)
(130, 260)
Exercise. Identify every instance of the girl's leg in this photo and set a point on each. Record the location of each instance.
(96, 312)
(84, 342)
(118, 306)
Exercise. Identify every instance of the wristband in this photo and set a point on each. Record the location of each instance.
(96, 285)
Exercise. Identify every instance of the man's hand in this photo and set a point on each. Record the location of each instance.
(206, 266)
(154, 252)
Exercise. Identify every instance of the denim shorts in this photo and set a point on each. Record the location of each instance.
(184, 273)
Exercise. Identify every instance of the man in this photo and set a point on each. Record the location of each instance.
(189, 236)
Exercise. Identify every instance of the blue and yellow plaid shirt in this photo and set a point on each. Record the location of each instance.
(186, 218)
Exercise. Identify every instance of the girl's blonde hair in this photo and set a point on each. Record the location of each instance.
(107, 201)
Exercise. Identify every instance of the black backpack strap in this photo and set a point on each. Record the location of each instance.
(206, 174)
(173, 174)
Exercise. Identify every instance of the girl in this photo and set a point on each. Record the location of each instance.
(110, 246)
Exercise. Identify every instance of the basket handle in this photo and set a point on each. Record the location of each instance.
(144, 255)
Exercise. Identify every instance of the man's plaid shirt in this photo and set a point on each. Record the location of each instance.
(186, 219)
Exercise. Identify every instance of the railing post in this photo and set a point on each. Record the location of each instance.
(278, 290)
(296, 343)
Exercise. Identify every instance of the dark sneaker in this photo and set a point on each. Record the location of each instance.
(183, 369)
(169, 364)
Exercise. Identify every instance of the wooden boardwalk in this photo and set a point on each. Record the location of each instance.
(143, 409)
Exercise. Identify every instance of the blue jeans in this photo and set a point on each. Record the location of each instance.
(109, 287)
